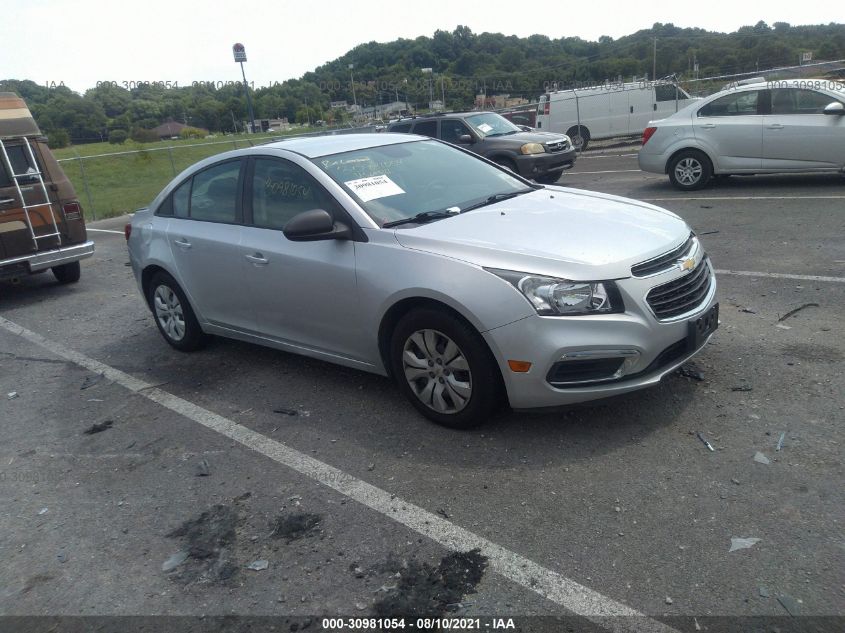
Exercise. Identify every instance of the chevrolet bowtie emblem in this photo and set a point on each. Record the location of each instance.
(686, 264)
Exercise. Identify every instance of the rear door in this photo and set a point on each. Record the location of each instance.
(731, 127)
(798, 135)
(204, 234)
(303, 293)
(14, 230)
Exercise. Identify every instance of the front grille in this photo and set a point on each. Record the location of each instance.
(681, 295)
(662, 262)
(581, 370)
(553, 146)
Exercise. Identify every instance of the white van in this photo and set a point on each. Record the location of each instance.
(609, 109)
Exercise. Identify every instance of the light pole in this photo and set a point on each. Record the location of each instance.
(429, 72)
(239, 52)
(352, 83)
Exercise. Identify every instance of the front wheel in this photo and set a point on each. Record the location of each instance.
(580, 137)
(690, 170)
(549, 179)
(173, 314)
(444, 367)
(67, 273)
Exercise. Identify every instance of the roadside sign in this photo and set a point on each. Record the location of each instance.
(239, 52)
(807, 57)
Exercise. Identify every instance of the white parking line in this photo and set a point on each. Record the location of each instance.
(750, 273)
(743, 198)
(105, 231)
(547, 583)
(609, 171)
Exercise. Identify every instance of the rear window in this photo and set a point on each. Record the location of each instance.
(426, 128)
(21, 164)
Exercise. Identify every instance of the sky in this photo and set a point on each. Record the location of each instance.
(82, 42)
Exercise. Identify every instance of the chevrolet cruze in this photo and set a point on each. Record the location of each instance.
(411, 258)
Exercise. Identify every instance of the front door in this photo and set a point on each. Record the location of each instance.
(304, 293)
(798, 135)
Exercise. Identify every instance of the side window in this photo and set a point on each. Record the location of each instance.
(426, 128)
(181, 197)
(282, 190)
(738, 104)
(797, 101)
(214, 193)
(452, 129)
(401, 128)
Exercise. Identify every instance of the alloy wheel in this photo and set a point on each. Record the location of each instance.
(688, 171)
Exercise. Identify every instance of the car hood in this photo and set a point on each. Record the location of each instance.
(530, 137)
(554, 231)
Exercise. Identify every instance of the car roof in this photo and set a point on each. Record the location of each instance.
(317, 146)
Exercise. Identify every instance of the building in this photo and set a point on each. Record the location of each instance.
(169, 130)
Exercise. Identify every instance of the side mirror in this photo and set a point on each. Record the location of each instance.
(315, 225)
(525, 128)
(465, 138)
(834, 108)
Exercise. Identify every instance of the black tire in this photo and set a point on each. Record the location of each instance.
(168, 323)
(580, 137)
(690, 170)
(482, 373)
(507, 163)
(67, 273)
(549, 179)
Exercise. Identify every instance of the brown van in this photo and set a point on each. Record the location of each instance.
(41, 223)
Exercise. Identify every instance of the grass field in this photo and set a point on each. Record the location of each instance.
(121, 178)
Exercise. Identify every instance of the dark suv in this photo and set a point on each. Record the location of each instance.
(542, 156)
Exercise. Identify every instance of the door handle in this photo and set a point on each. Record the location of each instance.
(6, 201)
(258, 259)
(182, 243)
(708, 126)
(632, 109)
(775, 126)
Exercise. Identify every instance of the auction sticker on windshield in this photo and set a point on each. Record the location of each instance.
(374, 187)
(485, 127)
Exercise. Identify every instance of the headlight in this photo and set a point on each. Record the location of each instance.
(532, 148)
(559, 297)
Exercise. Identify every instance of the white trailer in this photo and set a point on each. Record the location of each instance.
(609, 109)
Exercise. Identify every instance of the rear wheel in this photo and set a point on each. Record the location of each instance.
(580, 137)
(443, 366)
(67, 273)
(690, 170)
(549, 179)
(507, 163)
(173, 314)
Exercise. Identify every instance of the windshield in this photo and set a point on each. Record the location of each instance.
(491, 124)
(394, 182)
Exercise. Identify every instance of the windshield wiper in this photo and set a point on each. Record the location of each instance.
(497, 197)
(420, 218)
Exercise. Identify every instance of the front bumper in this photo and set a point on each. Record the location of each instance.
(37, 262)
(648, 349)
(533, 165)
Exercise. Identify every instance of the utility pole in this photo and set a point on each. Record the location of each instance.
(654, 62)
(352, 83)
(442, 93)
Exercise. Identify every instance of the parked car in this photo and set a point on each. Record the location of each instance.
(761, 128)
(537, 155)
(41, 222)
(408, 257)
(608, 110)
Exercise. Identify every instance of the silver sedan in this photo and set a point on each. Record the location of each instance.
(408, 257)
(795, 126)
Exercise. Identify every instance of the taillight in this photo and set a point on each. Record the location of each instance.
(72, 211)
(648, 133)
(127, 231)
(547, 107)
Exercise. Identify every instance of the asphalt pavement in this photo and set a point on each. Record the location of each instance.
(139, 481)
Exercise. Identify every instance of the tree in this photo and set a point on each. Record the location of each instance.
(118, 137)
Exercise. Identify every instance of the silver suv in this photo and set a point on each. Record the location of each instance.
(405, 256)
